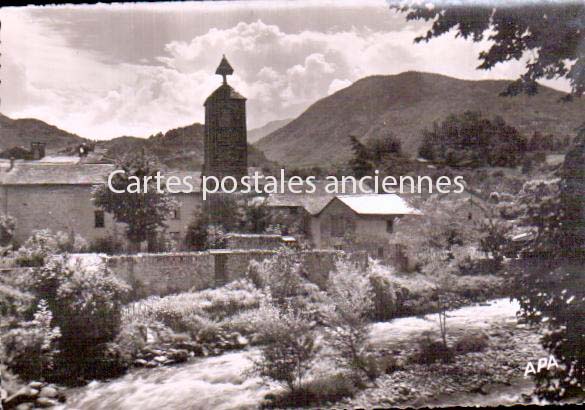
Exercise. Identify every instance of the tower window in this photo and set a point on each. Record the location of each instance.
(390, 226)
(99, 219)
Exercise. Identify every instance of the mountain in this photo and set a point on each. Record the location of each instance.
(404, 105)
(22, 132)
(258, 133)
(179, 148)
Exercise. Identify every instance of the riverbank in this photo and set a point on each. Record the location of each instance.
(225, 383)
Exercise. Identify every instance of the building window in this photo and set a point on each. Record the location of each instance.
(99, 219)
(380, 252)
(390, 226)
(176, 214)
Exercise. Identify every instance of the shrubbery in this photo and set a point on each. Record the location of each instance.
(106, 244)
(289, 345)
(350, 295)
(30, 349)
(318, 391)
(281, 275)
(7, 227)
(85, 305)
(471, 343)
(192, 311)
(431, 350)
(43, 243)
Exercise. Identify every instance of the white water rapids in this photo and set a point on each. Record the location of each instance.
(223, 382)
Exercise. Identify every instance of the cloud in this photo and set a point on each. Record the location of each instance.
(337, 85)
(281, 72)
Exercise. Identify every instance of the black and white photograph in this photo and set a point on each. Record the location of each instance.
(292, 204)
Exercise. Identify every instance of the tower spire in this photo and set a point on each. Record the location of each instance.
(224, 69)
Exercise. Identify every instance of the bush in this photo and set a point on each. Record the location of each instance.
(470, 343)
(86, 306)
(191, 311)
(14, 302)
(43, 243)
(388, 294)
(280, 273)
(431, 350)
(320, 391)
(30, 350)
(106, 244)
(7, 227)
(290, 345)
(347, 318)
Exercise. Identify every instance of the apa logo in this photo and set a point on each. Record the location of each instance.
(543, 363)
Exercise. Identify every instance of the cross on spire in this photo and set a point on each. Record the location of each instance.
(224, 69)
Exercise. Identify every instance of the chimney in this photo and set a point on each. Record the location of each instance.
(37, 149)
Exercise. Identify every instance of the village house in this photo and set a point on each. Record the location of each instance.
(55, 192)
(361, 222)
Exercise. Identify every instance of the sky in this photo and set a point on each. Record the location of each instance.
(103, 71)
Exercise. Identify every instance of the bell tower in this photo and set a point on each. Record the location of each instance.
(226, 149)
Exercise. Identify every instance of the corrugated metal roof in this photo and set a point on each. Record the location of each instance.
(378, 204)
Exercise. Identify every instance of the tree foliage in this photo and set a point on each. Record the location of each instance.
(550, 281)
(7, 227)
(472, 140)
(549, 35)
(144, 212)
(347, 317)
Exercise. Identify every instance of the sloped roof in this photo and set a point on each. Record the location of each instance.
(42, 173)
(224, 92)
(312, 203)
(38, 173)
(378, 204)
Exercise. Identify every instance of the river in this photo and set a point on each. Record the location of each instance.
(224, 382)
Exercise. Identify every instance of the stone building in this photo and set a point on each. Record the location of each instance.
(44, 192)
(361, 222)
(55, 193)
(226, 149)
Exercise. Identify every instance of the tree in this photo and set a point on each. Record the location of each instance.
(289, 348)
(493, 232)
(346, 319)
(549, 281)
(471, 139)
(144, 212)
(361, 162)
(435, 235)
(550, 33)
(379, 148)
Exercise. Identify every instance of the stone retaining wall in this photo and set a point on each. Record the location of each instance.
(162, 274)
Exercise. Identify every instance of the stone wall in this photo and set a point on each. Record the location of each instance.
(253, 241)
(162, 274)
